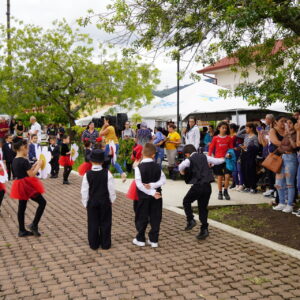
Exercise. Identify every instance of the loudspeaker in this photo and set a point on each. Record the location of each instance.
(121, 120)
(98, 122)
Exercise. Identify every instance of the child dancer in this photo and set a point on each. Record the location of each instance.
(65, 159)
(3, 179)
(54, 149)
(8, 155)
(26, 187)
(86, 166)
(195, 168)
(149, 178)
(33, 146)
(220, 144)
(98, 194)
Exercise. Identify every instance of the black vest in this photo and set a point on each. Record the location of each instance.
(199, 172)
(98, 190)
(150, 172)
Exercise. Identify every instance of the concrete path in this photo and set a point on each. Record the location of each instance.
(59, 265)
(174, 192)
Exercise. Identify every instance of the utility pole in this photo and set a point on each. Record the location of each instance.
(8, 31)
(178, 91)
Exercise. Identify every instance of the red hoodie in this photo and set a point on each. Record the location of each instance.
(220, 145)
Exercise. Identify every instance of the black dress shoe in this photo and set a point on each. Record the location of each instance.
(52, 176)
(220, 196)
(226, 195)
(190, 225)
(66, 182)
(203, 234)
(34, 230)
(25, 233)
(232, 186)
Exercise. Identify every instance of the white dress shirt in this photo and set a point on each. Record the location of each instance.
(85, 186)
(36, 127)
(185, 164)
(153, 185)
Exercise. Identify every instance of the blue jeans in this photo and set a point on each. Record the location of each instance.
(285, 180)
(116, 165)
(159, 156)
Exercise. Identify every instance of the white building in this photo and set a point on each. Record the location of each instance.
(223, 75)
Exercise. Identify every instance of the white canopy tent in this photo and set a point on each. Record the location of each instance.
(200, 97)
(84, 121)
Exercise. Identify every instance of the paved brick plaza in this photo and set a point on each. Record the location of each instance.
(60, 265)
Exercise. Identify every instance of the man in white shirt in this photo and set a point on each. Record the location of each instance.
(35, 128)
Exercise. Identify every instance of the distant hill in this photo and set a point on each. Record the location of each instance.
(167, 92)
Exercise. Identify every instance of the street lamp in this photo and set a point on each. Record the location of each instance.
(178, 89)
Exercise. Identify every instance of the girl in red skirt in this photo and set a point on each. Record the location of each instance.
(26, 186)
(65, 159)
(87, 165)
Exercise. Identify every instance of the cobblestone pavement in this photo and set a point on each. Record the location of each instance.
(60, 265)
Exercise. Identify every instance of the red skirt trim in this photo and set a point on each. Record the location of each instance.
(65, 161)
(2, 187)
(26, 188)
(132, 192)
(83, 168)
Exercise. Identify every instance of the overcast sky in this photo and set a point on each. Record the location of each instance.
(43, 12)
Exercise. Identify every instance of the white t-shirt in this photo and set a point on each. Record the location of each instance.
(36, 127)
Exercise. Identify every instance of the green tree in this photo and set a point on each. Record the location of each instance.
(211, 29)
(55, 69)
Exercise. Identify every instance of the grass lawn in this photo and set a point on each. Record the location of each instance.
(261, 220)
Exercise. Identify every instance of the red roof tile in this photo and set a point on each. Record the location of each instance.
(229, 61)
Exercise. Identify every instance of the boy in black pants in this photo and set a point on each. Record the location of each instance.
(149, 178)
(8, 155)
(55, 150)
(197, 172)
(98, 194)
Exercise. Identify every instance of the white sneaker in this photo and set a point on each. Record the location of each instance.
(138, 243)
(153, 245)
(241, 188)
(279, 207)
(268, 193)
(288, 209)
(237, 187)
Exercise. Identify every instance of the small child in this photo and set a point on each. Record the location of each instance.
(98, 194)
(86, 166)
(26, 187)
(197, 172)
(3, 179)
(54, 149)
(149, 178)
(65, 159)
(33, 146)
(2, 170)
(8, 155)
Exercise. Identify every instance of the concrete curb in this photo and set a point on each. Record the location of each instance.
(249, 236)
